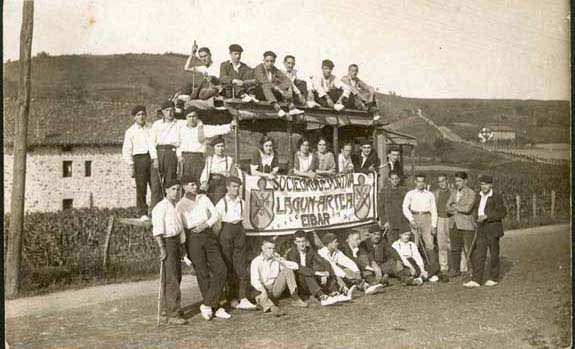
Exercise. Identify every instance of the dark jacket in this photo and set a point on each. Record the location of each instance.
(379, 253)
(313, 262)
(391, 208)
(495, 211)
(362, 260)
(227, 73)
(278, 77)
(372, 159)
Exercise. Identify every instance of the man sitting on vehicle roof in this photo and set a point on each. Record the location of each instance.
(209, 85)
(362, 96)
(326, 90)
(299, 86)
(274, 86)
(236, 77)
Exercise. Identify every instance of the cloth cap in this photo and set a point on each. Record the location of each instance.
(270, 53)
(138, 108)
(190, 110)
(217, 140)
(460, 174)
(189, 179)
(171, 182)
(233, 179)
(167, 104)
(236, 48)
(486, 179)
(328, 238)
(327, 63)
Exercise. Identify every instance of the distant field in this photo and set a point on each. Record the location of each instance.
(555, 154)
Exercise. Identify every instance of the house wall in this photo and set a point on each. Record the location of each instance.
(110, 184)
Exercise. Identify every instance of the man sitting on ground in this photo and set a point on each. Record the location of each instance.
(410, 257)
(326, 90)
(236, 77)
(274, 86)
(370, 272)
(362, 96)
(346, 271)
(271, 274)
(314, 273)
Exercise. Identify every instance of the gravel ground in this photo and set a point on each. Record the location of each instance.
(531, 308)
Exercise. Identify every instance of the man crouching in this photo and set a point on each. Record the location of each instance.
(271, 274)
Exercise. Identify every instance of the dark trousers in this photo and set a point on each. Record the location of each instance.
(143, 177)
(193, 164)
(334, 94)
(233, 244)
(459, 241)
(230, 91)
(204, 252)
(302, 87)
(172, 276)
(168, 161)
(308, 284)
(267, 93)
(216, 188)
(484, 242)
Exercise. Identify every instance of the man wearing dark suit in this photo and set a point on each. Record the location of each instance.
(314, 273)
(391, 165)
(370, 272)
(367, 160)
(391, 209)
(380, 253)
(490, 210)
(236, 77)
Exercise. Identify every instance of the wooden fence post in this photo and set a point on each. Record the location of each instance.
(534, 202)
(518, 203)
(107, 242)
(553, 204)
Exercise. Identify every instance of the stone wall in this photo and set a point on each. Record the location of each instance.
(109, 185)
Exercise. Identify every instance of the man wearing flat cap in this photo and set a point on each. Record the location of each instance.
(192, 139)
(326, 90)
(489, 210)
(236, 77)
(166, 140)
(274, 86)
(139, 151)
(232, 238)
(461, 222)
(168, 231)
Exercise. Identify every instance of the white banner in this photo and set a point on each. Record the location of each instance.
(289, 203)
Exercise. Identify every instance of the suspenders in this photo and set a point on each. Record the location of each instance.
(226, 206)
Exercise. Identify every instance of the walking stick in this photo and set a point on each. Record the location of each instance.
(422, 243)
(160, 293)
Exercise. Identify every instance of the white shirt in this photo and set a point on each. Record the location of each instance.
(264, 272)
(166, 133)
(166, 222)
(483, 202)
(208, 71)
(337, 261)
(292, 75)
(364, 158)
(322, 85)
(302, 258)
(216, 165)
(344, 163)
(194, 213)
(188, 138)
(420, 201)
(408, 250)
(138, 140)
(236, 66)
(234, 212)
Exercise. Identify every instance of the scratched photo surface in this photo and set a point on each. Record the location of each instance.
(449, 89)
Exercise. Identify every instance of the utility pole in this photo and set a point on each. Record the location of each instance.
(14, 248)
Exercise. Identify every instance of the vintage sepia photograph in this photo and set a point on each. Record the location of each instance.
(287, 174)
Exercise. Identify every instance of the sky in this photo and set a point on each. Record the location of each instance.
(418, 48)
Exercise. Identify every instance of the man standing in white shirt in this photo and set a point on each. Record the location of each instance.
(166, 140)
(420, 210)
(139, 151)
(271, 274)
(168, 232)
(192, 138)
(232, 240)
(199, 215)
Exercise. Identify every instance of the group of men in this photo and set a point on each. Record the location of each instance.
(278, 87)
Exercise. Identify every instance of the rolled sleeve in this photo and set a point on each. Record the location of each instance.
(405, 207)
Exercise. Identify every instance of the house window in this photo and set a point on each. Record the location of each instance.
(67, 169)
(67, 204)
(88, 168)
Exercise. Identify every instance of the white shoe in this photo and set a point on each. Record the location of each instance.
(374, 289)
(253, 98)
(295, 111)
(341, 298)
(338, 107)
(350, 292)
(246, 99)
(245, 304)
(222, 314)
(206, 311)
(187, 261)
(434, 278)
(418, 281)
(311, 104)
(144, 218)
(281, 113)
(328, 301)
(491, 283)
(471, 284)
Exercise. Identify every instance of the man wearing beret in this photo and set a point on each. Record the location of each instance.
(232, 240)
(192, 138)
(199, 215)
(274, 86)
(236, 77)
(166, 140)
(490, 210)
(327, 90)
(168, 231)
(139, 151)
(461, 222)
